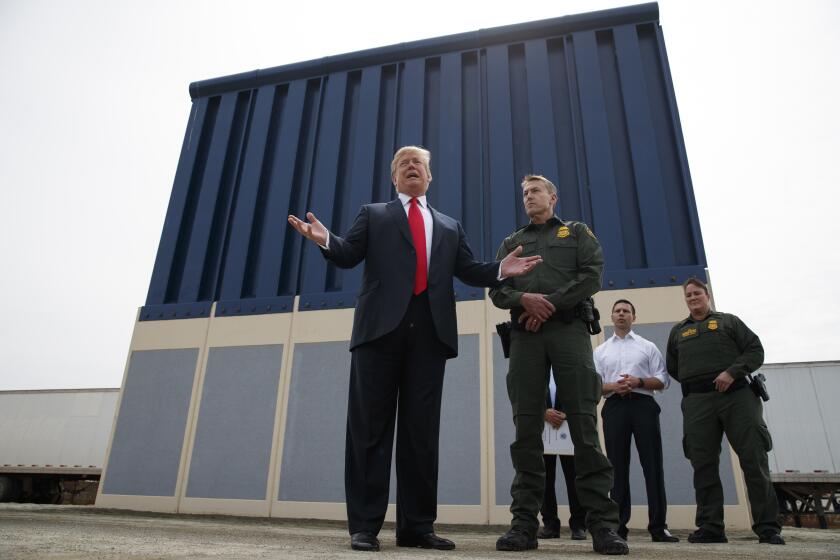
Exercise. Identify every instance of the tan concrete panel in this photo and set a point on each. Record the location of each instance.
(164, 335)
(275, 328)
(160, 335)
(470, 316)
(161, 504)
(250, 330)
(250, 508)
(312, 510)
(653, 305)
(322, 326)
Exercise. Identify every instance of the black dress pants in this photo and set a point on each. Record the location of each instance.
(636, 417)
(403, 371)
(577, 519)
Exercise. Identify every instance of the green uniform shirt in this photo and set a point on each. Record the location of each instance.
(572, 266)
(700, 350)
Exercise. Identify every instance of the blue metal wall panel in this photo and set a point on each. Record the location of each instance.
(586, 100)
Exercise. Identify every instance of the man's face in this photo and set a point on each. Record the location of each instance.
(697, 300)
(411, 176)
(537, 200)
(622, 316)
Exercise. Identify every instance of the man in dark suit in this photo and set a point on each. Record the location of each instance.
(555, 416)
(404, 330)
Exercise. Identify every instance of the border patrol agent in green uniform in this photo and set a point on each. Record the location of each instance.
(548, 332)
(710, 353)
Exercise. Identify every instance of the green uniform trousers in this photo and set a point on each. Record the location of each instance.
(565, 348)
(706, 417)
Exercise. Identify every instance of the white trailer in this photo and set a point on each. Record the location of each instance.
(802, 417)
(53, 443)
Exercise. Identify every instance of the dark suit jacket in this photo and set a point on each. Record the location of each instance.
(381, 237)
(556, 405)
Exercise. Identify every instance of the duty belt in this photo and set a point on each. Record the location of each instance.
(564, 315)
(709, 386)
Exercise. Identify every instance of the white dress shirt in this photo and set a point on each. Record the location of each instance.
(633, 355)
(552, 387)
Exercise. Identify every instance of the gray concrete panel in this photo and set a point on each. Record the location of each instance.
(503, 430)
(149, 435)
(459, 480)
(313, 448)
(232, 450)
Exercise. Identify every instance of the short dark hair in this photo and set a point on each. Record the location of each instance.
(697, 282)
(627, 301)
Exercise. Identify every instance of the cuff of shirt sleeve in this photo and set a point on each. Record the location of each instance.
(736, 375)
(326, 246)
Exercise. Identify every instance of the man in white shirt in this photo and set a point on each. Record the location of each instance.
(632, 369)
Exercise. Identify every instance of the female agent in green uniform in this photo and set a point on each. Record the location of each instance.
(710, 354)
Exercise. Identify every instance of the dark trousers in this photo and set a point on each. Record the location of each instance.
(636, 417)
(577, 519)
(567, 350)
(739, 415)
(401, 370)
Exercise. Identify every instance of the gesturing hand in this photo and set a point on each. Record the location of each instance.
(514, 265)
(314, 230)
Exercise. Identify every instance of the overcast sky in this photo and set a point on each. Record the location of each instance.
(95, 102)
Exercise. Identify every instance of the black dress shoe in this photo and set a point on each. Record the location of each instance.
(429, 540)
(663, 536)
(364, 541)
(623, 532)
(578, 535)
(607, 541)
(549, 533)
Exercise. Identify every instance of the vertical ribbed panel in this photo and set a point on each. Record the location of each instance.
(586, 103)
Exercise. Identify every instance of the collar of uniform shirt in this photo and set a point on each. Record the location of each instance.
(551, 220)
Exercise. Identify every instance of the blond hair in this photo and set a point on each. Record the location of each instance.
(548, 184)
(425, 155)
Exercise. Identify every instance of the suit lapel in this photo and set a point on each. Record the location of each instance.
(397, 212)
(437, 232)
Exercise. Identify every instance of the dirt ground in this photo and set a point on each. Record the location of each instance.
(29, 532)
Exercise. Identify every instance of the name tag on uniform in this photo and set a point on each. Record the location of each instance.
(688, 333)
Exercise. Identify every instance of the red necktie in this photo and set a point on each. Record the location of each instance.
(418, 234)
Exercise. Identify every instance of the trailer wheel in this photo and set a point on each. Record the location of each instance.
(9, 489)
(46, 491)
